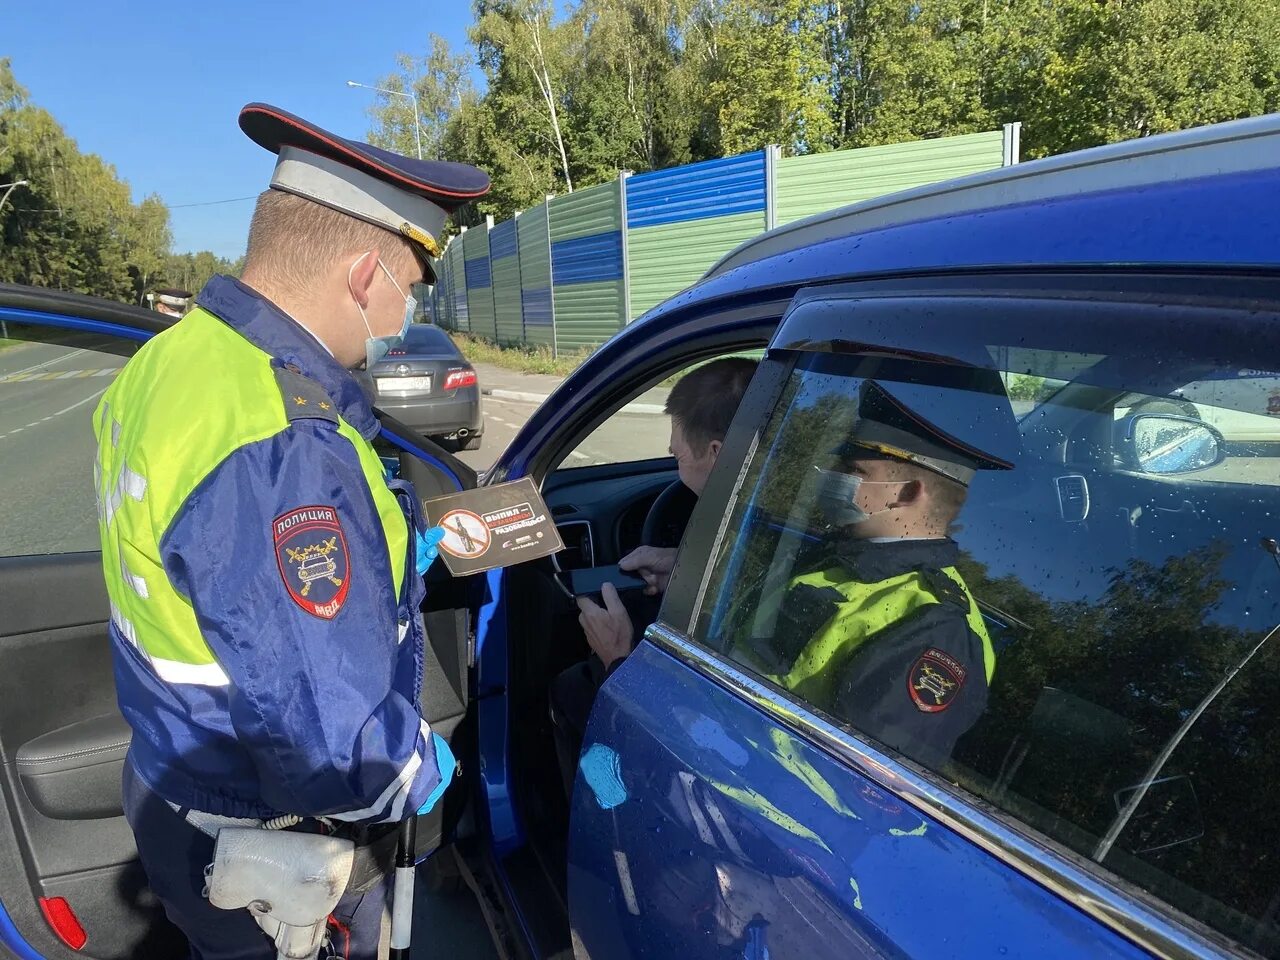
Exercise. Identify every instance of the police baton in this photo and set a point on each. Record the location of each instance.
(402, 891)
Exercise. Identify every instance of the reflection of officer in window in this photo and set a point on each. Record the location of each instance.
(882, 632)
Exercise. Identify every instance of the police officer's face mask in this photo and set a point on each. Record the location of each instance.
(375, 348)
(838, 494)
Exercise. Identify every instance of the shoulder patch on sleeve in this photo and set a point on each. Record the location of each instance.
(935, 680)
(312, 555)
(304, 399)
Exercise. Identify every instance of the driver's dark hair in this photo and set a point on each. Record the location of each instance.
(704, 401)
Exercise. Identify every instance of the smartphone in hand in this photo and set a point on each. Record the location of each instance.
(590, 581)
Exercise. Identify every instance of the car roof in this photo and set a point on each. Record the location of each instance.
(1221, 149)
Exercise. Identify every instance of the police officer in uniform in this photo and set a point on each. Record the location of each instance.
(171, 301)
(265, 577)
(881, 631)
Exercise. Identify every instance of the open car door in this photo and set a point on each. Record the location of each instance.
(70, 881)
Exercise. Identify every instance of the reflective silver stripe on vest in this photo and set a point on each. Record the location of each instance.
(132, 579)
(126, 628)
(197, 674)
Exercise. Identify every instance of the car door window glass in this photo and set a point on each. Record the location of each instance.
(50, 383)
(1100, 637)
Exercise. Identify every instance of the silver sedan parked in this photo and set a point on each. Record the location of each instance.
(427, 384)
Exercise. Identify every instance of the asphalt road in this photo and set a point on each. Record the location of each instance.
(47, 398)
(621, 438)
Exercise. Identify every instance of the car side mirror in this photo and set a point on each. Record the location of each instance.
(1164, 444)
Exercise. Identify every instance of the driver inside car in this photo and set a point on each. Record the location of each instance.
(701, 407)
(882, 631)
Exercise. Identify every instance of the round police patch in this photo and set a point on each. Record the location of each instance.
(311, 552)
(935, 680)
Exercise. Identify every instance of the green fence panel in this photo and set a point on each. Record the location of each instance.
(506, 283)
(479, 271)
(824, 181)
(667, 258)
(534, 242)
(586, 265)
(586, 313)
(680, 221)
(458, 285)
(586, 212)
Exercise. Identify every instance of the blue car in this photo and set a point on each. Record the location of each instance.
(1104, 324)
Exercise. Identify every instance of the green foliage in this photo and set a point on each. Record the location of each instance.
(1097, 73)
(771, 79)
(439, 81)
(1026, 387)
(574, 96)
(191, 271)
(73, 226)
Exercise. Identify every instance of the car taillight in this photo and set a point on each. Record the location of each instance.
(60, 916)
(397, 352)
(460, 378)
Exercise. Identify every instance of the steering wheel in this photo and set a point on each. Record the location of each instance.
(665, 522)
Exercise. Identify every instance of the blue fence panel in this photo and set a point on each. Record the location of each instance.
(479, 273)
(714, 188)
(537, 306)
(587, 259)
(502, 240)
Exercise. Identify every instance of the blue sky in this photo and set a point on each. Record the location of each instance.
(154, 88)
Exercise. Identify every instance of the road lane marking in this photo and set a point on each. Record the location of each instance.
(25, 377)
(92, 396)
(58, 359)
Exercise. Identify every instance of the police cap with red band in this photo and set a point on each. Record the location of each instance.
(410, 197)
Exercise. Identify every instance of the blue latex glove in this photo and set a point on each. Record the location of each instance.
(428, 548)
(446, 765)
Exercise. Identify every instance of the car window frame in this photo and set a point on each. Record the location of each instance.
(737, 328)
(1108, 898)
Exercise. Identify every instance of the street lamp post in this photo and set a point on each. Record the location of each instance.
(12, 187)
(4, 327)
(417, 122)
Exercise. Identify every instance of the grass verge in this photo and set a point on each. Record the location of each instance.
(522, 358)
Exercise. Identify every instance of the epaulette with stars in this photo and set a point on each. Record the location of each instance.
(304, 399)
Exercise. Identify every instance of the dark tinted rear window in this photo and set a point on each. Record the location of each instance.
(424, 338)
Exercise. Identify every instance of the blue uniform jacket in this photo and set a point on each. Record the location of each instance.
(319, 713)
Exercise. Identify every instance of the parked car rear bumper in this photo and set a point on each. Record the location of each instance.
(438, 416)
